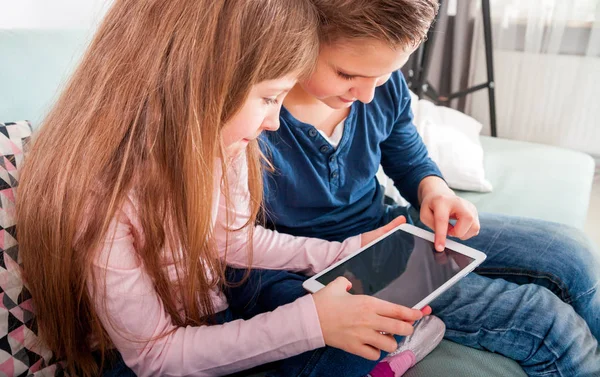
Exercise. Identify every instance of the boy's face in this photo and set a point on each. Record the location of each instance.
(351, 70)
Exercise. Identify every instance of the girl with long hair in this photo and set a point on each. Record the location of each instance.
(145, 182)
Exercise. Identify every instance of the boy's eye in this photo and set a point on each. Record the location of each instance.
(270, 101)
(345, 76)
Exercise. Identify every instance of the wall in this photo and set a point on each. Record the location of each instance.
(54, 14)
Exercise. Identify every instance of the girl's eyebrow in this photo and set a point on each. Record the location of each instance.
(280, 90)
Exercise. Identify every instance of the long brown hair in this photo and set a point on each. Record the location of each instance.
(143, 112)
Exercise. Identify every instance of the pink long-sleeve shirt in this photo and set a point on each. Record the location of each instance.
(132, 311)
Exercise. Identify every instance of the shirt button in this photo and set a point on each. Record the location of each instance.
(334, 175)
(332, 159)
(324, 149)
(312, 132)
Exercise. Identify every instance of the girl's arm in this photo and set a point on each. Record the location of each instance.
(279, 251)
(271, 249)
(132, 312)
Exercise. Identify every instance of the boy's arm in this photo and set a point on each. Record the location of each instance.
(433, 185)
(417, 177)
(404, 157)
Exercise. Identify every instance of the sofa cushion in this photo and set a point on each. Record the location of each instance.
(452, 359)
(536, 181)
(21, 351)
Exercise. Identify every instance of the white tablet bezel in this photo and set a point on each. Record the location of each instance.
(313, 286)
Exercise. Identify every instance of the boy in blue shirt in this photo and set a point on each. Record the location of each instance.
(539, 285)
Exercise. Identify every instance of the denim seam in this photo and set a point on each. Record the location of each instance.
(591, 290)
(566, 296)
(310, 364)
(489, 245)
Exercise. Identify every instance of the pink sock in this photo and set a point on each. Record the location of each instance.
(401, 362)
(394, 366)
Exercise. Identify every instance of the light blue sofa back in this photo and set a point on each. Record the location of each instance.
(34, 67)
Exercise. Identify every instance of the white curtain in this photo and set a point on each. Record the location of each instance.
(547, 68)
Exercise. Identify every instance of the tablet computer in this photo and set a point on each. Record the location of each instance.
(402, 267)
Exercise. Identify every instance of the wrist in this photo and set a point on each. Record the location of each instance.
(433, 185)
(317, 324)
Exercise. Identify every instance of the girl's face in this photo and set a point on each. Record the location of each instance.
(348, 71)
(259, 112)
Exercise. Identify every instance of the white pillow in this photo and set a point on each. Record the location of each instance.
(390, 190)
(452, 139)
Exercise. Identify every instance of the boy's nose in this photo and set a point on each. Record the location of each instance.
(364, 94)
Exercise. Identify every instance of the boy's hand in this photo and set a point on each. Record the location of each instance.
(439, 204)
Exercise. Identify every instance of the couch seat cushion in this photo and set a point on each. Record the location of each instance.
(536, 181)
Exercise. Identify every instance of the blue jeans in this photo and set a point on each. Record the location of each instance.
(527, 251)
(535, 299)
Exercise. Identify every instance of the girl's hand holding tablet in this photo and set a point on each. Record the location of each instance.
(355, 323)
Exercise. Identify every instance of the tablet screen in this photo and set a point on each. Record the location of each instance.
(401, 268)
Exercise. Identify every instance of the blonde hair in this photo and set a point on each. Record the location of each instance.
(397, 22)
(144, 111)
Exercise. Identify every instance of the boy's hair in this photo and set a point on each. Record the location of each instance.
(397, 22)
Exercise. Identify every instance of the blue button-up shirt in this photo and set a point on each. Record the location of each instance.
(320, 191)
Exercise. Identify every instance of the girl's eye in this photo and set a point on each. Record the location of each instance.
(345, 76)
(270, 101)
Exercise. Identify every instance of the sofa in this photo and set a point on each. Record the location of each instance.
(529, 179)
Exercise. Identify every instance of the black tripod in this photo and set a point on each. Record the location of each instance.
(417, 79)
